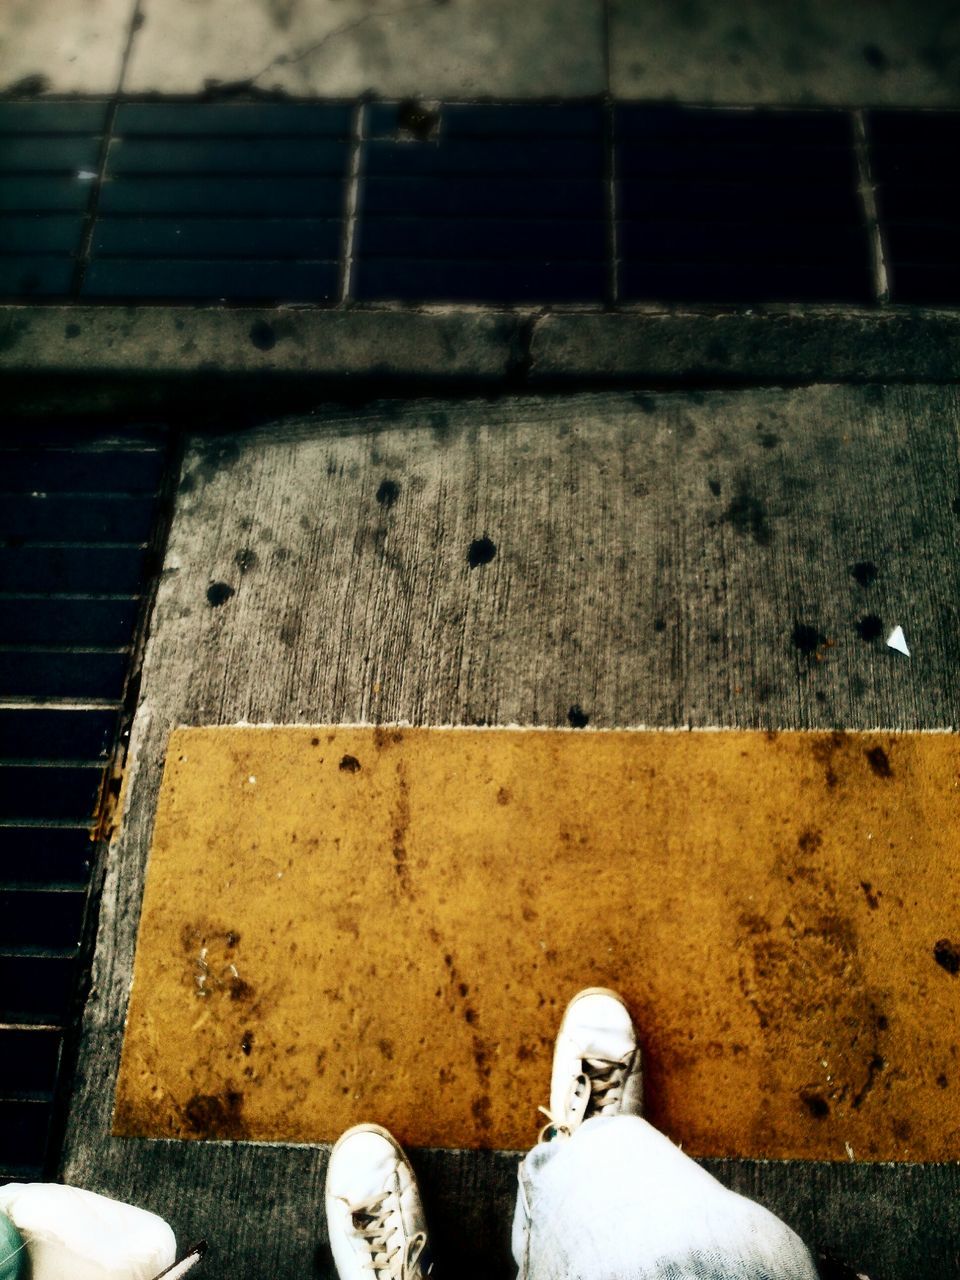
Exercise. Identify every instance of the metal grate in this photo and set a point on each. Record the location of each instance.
(739, 206)
(488, 204)
(211, 201)
(49, 162)
(77, 513)
(336, 202)
(918, 197)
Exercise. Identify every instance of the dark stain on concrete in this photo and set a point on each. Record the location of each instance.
(388, 493)
(578, 717)
(807, 638)
(865, 572)
(714, 487)
(263, 335)
(870, 627)
(816, 1104)
(71, 331)
(245, 559)
(481, 551)
(246, 1044)
(873, 901)
(349, 764)
(748, 516)
(219, 593)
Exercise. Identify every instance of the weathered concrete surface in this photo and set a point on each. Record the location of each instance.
(667, 595)
(463, 49)
(66, 46)
(156, 340)
(798, 344)
(789, 51)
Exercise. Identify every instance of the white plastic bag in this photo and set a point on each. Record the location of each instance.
(78, 1235)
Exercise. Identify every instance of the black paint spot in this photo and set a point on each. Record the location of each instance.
(659, 624)
(350, 764)
(942, 1081)
(883, 1022)
(748, 515)
(947, 955)
(71, 331)
(246, 1044)
(481, 551)
(245, 559)
(817, 1105)
(578, 717)
(874, 57)
(870, 627)
(417, 120)
(879, 763)
(388, 493)
(807, 638)
(262, 335)
(714, 487)
(219, 593)
(865, 572)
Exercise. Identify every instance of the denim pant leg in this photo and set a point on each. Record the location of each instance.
(618, 1201)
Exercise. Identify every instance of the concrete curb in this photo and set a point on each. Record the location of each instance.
(477, 344)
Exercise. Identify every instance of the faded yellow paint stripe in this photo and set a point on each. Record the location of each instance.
(347, 924)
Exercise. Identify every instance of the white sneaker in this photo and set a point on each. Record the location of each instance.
(596, 1063)
(375, 1220)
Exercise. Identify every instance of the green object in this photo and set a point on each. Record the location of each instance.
(13, 1254)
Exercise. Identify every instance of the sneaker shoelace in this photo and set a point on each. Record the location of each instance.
(595, 1091)
(375, 1221)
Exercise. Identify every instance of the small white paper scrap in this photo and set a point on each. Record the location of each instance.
(86, 175)
(897, 640)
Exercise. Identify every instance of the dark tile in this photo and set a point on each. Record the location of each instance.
(67, 568)
(41, 919)
(49, 791)
(227, 279)
(106, 624)
(271, 238)
(49, 674)
(45, 855)
(34, 733)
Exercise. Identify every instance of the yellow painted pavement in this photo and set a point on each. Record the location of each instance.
(345, 924)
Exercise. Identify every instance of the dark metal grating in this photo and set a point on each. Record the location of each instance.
(913, 162)
(588, 203)
(207, 201)
(494, 204)
(49, 164)
(77, 513)
(739, 206)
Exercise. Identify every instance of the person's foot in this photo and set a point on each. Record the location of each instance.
(596, 1063)
(375, 1219)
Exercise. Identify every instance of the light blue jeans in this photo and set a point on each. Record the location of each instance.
(618, 1201)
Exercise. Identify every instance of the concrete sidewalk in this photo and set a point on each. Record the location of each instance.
(817, 52)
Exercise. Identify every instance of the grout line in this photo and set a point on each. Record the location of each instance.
(351, 210)
(93, 208)
(867, 190)
(613, 282)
